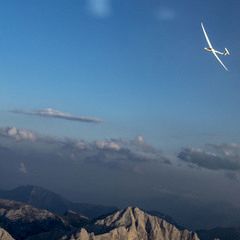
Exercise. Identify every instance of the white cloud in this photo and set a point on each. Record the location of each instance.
(140, 140)
(18, 134)
(81, 145)
(110, 145)
(52, 113)
(166, 14)
(23, 168)
(99, 8)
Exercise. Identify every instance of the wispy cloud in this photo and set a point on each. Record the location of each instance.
(99, 8)
(52, 113)
(166, 14)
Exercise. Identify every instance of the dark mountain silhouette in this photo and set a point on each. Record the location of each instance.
(45, 199)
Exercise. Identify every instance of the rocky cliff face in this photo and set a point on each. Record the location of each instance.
(4, 235)
(23, 220)
(132, 224)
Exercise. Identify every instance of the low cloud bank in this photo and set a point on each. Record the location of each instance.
(213, 157)
(112, 153)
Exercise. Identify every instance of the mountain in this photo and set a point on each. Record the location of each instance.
(22, 220)
(25, 222)
(220, 233)
(37, 197)
(132, 224)
(76, 219)
(45, 199)
(4, 235)
(166, 218)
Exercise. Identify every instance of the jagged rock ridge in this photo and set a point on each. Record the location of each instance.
(23, 220)
(132, 224)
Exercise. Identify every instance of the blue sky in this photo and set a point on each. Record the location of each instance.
(139, 65)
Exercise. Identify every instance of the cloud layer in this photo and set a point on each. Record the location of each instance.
(113, 153)
(52, 113)
(214, 157)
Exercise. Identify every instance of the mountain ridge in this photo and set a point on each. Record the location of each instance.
(22, 220)
(97, 226)
(25, 222)
(132, 224)
(44, 199)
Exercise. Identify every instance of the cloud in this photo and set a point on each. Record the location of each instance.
(23, 168)
(111, 153)
(231, 175)
(213, 157)
(114, 153)
(110, 145)
(18, 134)
(166, 14)
(99, 8)
(117, 153)
(52, 113)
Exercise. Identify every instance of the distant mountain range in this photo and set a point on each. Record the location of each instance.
(23, 221)
(34, 213)
(45, 199)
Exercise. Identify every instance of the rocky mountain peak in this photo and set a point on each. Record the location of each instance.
(4, 235)
(126, 217)
(134, 224)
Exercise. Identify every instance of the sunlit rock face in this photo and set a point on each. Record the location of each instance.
(132, 224)
(4, 235)
(22, 220)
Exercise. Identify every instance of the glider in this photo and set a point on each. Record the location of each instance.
(213, 51)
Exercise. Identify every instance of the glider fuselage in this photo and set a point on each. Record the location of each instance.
(208, 49)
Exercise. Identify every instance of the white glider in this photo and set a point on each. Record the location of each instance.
(213, 51)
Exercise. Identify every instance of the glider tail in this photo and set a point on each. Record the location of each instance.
(226, 52)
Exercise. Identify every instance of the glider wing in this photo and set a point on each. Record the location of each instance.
(206, 36)
(219, 60)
